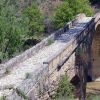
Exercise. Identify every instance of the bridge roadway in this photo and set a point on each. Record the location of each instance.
(18, 73)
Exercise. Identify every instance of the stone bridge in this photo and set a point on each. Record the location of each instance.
(34, 74)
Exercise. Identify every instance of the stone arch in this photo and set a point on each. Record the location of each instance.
(96, 51)
(75, 80)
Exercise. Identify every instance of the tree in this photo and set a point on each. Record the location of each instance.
(80, 6)
(35, 21)
(69, 9)
(12, 29)
(63, 14)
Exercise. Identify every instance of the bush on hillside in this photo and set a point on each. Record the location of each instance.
(69, 9)
(80, 6)
(35, 21)
(16, 26)
(63, 14)
(12, 28)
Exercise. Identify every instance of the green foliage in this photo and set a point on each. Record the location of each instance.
(65, 88)
(63, 14)
(12, 29)
(35, 20)
(17, 25)
(69, 9)
(80, 6)
(3, 98)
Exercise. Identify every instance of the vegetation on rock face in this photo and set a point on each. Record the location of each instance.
(65, 88)
(69, 9)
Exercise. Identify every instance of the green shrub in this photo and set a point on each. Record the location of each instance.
(80, 6)
(12, 28)
(65, 88)
(69, 9)
(63, 14)
(35, 20)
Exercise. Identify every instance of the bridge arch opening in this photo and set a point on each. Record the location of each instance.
(75, 80)
(96, 52)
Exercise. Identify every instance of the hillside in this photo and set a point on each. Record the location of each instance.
(46, 6)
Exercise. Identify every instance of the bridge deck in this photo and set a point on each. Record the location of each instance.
(18, 73)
